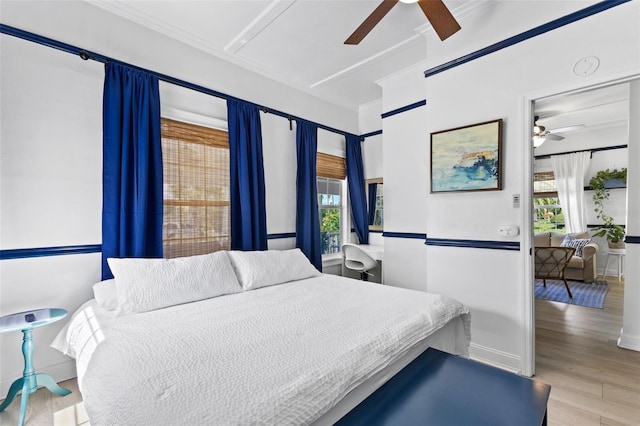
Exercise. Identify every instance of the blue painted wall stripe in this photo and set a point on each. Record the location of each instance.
(368, 135)
(629, 239)
(411, 235)
(280, 236)
(557, 23)
(597, 226)
(495, 245)
(405, 108)
(604, 148)
(371, 231)
(45, 41)
(49, 251)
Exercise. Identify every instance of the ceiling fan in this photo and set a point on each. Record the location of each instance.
(436, 12)
(541, 134)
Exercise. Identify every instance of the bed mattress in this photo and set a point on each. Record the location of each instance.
(287, 354)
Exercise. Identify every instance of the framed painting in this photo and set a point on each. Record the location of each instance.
(467, 158)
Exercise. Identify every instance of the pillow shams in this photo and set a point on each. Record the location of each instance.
(576, 243)
(147, 284)
(105, 294)
(257, 269)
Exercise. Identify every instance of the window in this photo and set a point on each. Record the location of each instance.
(330, 213)
(196, 189)
(331, 172)
(547, 210)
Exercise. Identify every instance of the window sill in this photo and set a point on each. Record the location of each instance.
(332, 259)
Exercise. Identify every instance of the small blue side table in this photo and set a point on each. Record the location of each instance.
(29, 382)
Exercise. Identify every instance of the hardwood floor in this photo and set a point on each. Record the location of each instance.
(47, 409)
(593, 382)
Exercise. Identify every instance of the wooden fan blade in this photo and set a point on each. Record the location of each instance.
(371, 21)
(440, 18)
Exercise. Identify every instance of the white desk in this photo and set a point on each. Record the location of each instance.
(376, 251)
(619, 253)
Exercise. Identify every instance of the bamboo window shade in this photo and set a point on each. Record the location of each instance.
(196, 189)
(330, 166)
(544, 185)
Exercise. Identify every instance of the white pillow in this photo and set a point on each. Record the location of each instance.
(257, 269)
(147, 284)
(106, 295)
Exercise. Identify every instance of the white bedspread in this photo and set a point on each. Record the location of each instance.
(278, 355)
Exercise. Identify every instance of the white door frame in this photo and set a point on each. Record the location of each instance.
(526, 202)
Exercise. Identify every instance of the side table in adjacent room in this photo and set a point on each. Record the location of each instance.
(30, 381)
(618, 254)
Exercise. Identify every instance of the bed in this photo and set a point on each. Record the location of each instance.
(283, 344)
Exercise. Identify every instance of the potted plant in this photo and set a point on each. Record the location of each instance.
(601, 184)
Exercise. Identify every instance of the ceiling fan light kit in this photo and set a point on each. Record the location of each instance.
(441, 19)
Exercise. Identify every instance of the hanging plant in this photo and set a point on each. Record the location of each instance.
(601, 193)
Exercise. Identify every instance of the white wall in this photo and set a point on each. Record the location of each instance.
(50, 181)
(369, 118)
(51, 151)
(630, 333)
(372, 158)
(405, 185)
(491, 282)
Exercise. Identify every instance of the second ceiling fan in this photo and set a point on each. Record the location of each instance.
(436, 12)
(541, 131)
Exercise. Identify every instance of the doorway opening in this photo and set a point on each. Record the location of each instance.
(576, 347)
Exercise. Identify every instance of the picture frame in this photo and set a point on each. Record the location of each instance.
(467, 158)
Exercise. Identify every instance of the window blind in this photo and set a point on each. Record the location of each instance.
(196, 189)
(544, 185)
(330, 166)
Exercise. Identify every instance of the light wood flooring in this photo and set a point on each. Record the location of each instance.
(47, 409)
(593, 382)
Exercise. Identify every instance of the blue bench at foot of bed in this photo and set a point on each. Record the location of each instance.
(442, 389)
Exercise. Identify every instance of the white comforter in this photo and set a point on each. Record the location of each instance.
(278, 355)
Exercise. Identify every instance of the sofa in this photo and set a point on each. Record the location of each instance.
(581, 268)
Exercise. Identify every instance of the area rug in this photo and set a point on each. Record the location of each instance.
(589, 295)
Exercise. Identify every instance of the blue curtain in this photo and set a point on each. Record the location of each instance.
(132, 166)
(355, 179)
(248, 210)
(307, 220)
(373, 194)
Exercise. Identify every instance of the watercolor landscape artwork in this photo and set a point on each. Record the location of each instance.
(467, 158)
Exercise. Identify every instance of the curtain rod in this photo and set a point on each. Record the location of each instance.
(87, 54)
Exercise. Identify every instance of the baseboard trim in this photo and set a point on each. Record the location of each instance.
(629, 341)
(60, 372)
(496, 358)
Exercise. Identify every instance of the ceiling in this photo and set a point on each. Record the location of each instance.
(596, 109)
(299, 42)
